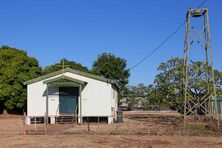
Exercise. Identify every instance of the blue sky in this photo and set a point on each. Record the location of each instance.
(79, 30)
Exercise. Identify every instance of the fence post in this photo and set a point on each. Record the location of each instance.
(88, 125)
(35, 124)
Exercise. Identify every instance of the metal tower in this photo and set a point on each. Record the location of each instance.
(197, 39)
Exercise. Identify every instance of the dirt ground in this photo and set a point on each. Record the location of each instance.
(139, 129)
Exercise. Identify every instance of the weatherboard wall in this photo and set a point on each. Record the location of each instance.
(97, 98)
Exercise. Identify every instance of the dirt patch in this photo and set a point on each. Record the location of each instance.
(138, 130)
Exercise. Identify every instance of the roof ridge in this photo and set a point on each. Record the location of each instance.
(64, 77)
(68, 69)
(83, 72)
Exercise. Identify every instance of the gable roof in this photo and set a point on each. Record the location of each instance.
(85, 74)
(64, 78)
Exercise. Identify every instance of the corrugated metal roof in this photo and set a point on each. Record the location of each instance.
(89, 75)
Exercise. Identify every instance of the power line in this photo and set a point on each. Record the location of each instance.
(164, 41)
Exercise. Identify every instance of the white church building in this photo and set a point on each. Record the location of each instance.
(73, 96)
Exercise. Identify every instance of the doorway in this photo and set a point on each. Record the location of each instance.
(68, 100)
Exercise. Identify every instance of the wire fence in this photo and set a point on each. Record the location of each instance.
(133, 124)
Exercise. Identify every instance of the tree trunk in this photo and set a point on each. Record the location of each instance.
(5, 112)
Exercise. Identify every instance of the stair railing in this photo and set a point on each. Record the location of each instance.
(74, 115)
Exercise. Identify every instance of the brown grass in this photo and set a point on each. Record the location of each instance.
(139, 129)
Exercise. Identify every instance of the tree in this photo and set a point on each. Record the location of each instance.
(15, 68)
(135, 96)
(218, 82)
(169, 82)
(151, 101)
(112, 67)
(145, 97)
(67, 63)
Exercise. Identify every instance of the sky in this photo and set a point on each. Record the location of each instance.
(80, 30)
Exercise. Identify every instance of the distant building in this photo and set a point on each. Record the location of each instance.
(70, 92)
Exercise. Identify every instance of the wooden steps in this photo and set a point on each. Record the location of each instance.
(66, 119)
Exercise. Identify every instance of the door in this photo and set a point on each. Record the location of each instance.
(67, 100)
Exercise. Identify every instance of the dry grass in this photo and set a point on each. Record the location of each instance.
(142, 129)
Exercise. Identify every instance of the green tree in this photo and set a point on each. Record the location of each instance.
(218, 82)
(67, 63)
(112, 67)
(15, 68)
(151, 101)
(135, 96)
(142, 96)
(169, 82)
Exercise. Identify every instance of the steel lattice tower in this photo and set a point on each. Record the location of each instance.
(205, 104)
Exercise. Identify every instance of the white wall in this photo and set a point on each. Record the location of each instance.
(97, 98)
(53, 100)
(36, 99)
